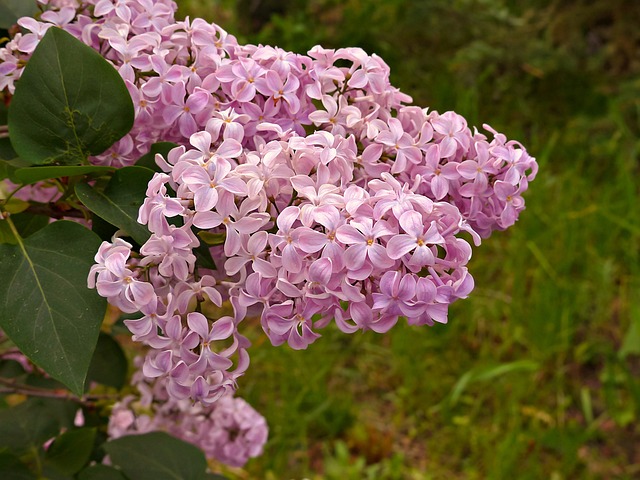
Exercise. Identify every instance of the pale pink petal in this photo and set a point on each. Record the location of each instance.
(205, 198)
(349, 235)
(400, 245)
(412, 223)
(291, 261)
(287, 217)
(311, 241)
(355, 256)
(379, 257)
(201, 140)
(222, 328)
(198, 323)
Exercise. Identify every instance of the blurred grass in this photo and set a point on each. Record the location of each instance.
(536, 375)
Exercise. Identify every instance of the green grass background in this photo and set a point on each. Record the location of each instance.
(536, 374)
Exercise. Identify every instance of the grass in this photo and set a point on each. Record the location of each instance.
(536, 375)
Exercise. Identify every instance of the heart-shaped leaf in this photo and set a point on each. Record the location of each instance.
(8, 168)
(71, 450)
(25, 223)
(47, 309)
(100, 472)
(156, 455)
(12, 468)
(69, 103)
(120, 201)
(12, 10)
(26, 426)
(109, 364)
(149, 160)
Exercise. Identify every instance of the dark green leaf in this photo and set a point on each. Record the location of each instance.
(11, 468)
(36, 174)
(6, 235)
(149, 160)
(109, 363)
(51, 473)
(61, 410)
(71, 450)
(11, 369)
(121, 200)
(47, 309)
(69, 103)
(157, 455)
(26, 224)
(6, 150)
(203, 257)
(102, 228)
(12, 10)
(8, 168)
(26, 426)
(100, 472)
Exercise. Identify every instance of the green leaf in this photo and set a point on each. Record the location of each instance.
(212, 238)
(8, 168)
(631, 341)
(15, 205)
(26, 426)
(11, 369)
(47, 309)
(69, 103)
(6, 150)
(6, 235)
(203, 257)
(11, 468)
(157, 455)
(149, 160)
(71, 451)
(36, 174)
(109, 363)
(489, 373)
(12, 10)
(120, 201)
(26, 224)
(63, 411)
(102, 228)
(51, 473)
(100, 472)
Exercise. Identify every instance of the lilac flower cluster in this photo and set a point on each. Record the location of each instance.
(230, 431)
(322, 195)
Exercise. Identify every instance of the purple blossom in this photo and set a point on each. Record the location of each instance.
(368, 209)
(418, 238)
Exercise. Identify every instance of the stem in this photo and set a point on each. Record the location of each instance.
(35, 451)
(54, 211)
(14, 230)
(13, 387)
(6, 200)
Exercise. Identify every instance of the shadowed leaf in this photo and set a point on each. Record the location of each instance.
(47, 309)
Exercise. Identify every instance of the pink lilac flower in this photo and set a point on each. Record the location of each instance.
(360, 222)
(229, 431)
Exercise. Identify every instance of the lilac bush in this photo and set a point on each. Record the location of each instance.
(322, 194)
